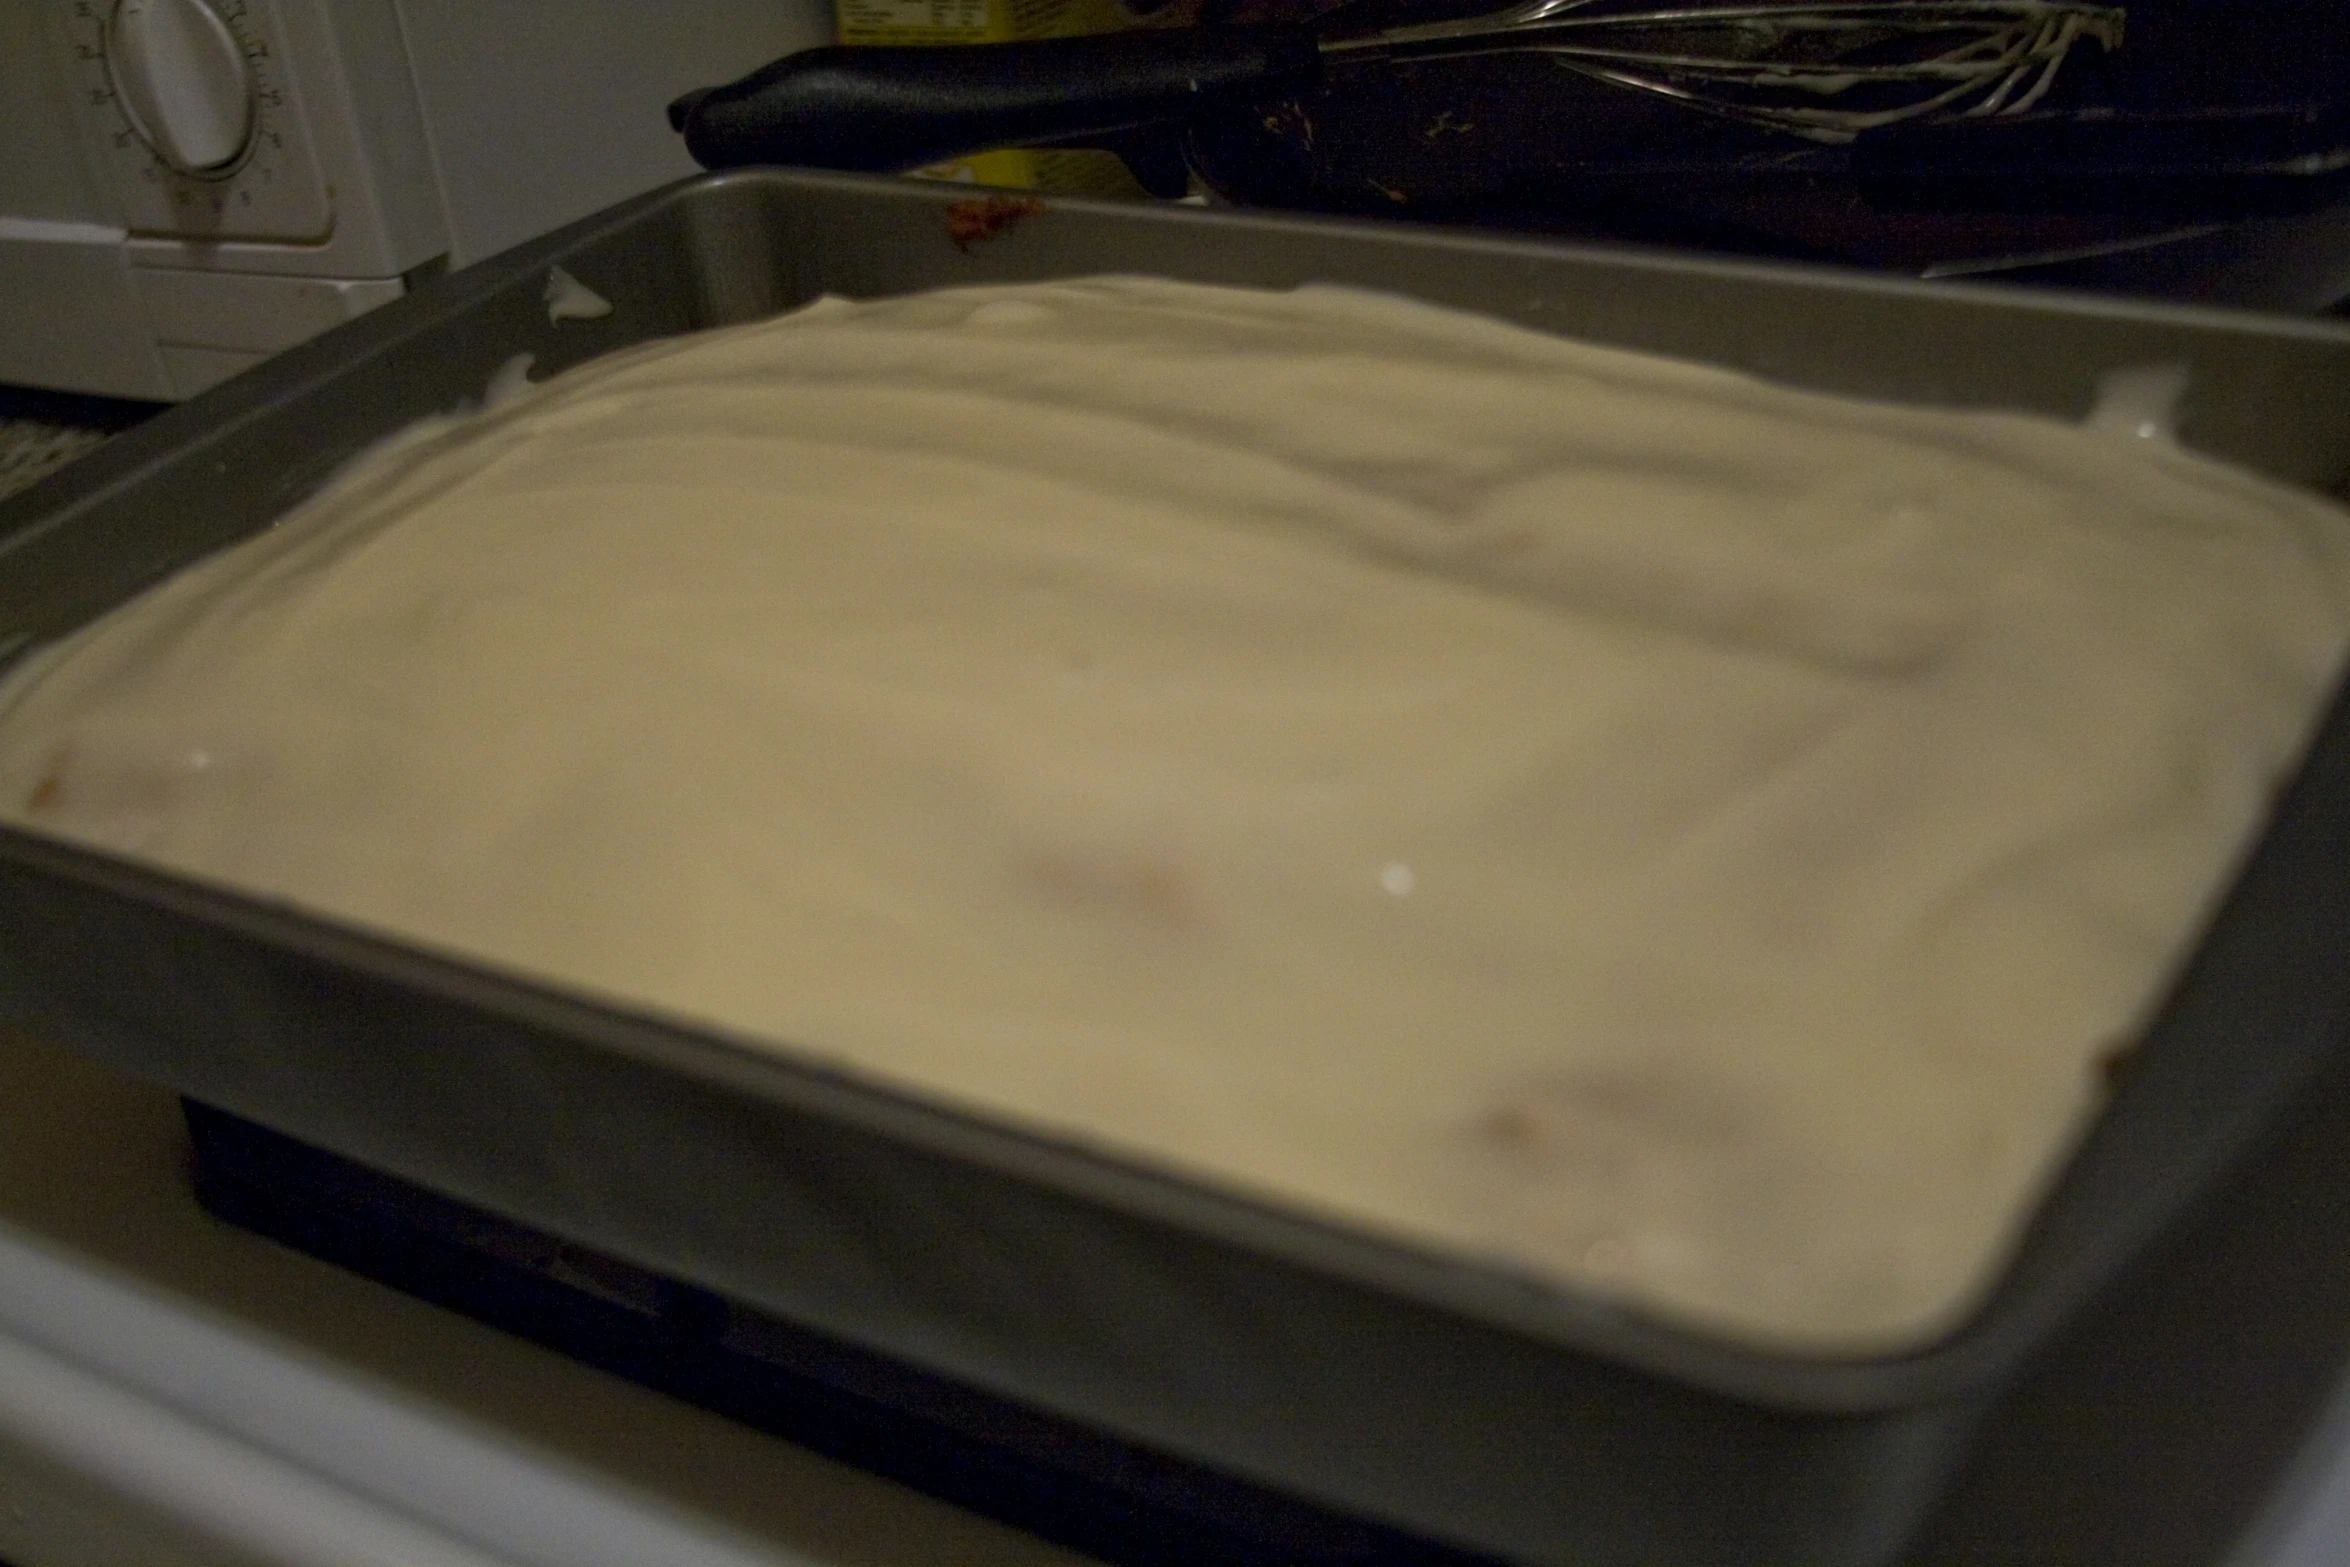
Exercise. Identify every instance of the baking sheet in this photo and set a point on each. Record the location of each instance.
(1462, 1404)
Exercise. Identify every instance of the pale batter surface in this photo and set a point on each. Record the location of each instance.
(1670, 836)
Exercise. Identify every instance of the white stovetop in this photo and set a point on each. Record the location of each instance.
(177, 1393)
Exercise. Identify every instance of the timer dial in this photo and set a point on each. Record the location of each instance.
(183, 84)
(194, 114)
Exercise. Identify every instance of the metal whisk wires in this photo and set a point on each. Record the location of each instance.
(1825, 71)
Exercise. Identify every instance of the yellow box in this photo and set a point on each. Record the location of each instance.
(981, 21)
(1058, 170)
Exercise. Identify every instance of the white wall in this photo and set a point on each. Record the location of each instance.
(542, 111)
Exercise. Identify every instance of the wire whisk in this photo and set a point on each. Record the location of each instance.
(1828, 70)
(1777, 65)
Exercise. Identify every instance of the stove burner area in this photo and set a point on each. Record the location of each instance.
(1067, 1484)
(2169, 1425)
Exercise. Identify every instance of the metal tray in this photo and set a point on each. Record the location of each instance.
(1462, 1405)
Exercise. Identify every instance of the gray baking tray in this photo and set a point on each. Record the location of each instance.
(1464, 1405)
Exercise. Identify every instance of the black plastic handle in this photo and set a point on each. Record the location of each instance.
(2203, 164)
(889, 109)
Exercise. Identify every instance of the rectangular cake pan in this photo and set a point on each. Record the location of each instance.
(1462, 1405)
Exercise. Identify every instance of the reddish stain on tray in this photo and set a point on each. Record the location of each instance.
(50, 791)
(984, 217)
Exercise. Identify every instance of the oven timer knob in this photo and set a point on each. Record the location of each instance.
(182, 81)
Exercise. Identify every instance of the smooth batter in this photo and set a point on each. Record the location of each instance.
(1674, 837)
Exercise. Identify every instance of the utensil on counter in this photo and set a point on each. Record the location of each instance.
(2215, 161)
(1823, 71)
(1928, 137)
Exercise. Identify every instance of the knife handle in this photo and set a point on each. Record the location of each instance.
(888, 108)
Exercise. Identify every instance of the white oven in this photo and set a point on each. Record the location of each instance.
(187, 186)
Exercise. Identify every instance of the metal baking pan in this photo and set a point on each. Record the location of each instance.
(1461, 1405)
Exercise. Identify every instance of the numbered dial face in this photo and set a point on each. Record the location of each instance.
(184, 83)
(188, 102)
